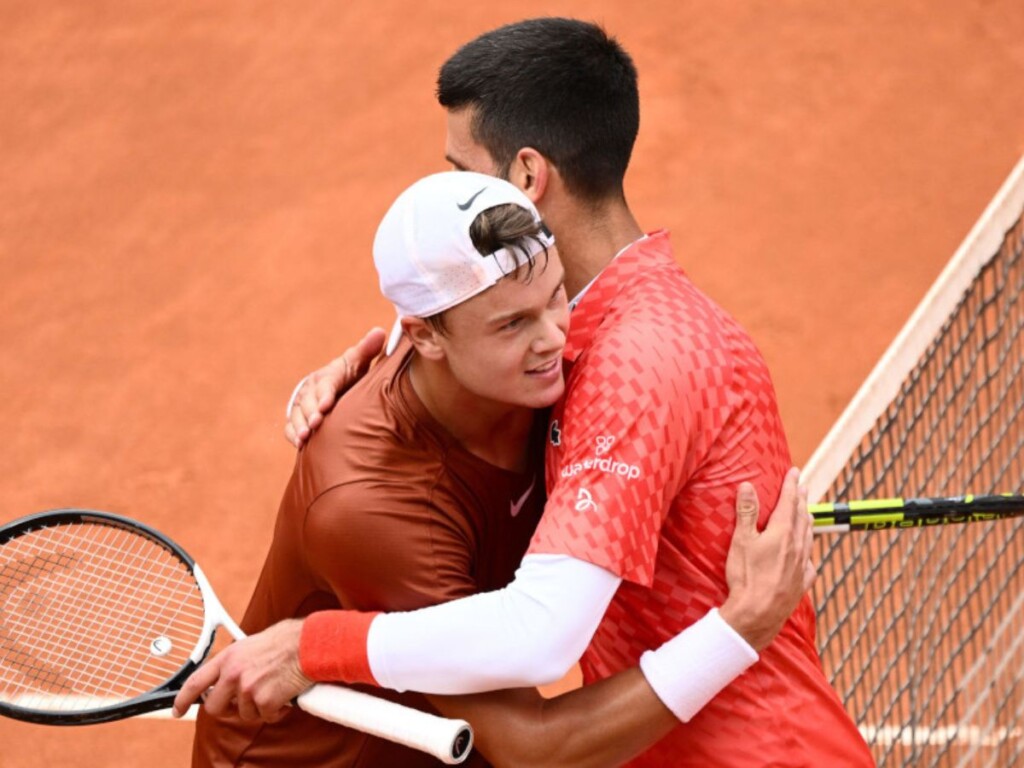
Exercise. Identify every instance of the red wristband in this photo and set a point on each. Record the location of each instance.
(332, 647)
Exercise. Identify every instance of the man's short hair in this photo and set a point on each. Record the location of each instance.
(503, 226)
(561, 86)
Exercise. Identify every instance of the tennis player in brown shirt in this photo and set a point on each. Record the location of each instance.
(391, 505)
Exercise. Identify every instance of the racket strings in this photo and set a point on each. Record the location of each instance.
(19, 571)
(68, 621)
(109, 660)
(59, 620)
(95, 610)
(108, 634)
(128, 628)
(106, 606)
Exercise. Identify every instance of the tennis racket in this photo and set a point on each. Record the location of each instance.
(886, 514)
(103, 618)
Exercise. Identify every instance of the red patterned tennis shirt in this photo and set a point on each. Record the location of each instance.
(668, 407)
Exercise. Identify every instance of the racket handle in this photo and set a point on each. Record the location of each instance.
(450, 741)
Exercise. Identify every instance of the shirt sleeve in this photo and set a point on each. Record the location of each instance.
(625, 451)
(377, 549)
(529, 633)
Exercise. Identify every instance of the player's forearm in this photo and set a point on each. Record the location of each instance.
(600, 725)
(608, 723)
(613, 720)
(527, 634)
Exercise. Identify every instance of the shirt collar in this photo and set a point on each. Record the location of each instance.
(592, 303)
(575, 300)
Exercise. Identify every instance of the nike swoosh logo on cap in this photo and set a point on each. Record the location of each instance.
(517, 506)
(465, 206)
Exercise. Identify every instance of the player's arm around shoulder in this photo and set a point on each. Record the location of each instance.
(315, 394)
(612, 721)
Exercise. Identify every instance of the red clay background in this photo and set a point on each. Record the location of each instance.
(189, 190)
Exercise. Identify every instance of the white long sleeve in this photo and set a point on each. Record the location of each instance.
(529, 633)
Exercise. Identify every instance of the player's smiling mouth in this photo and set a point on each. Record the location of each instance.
(546, 368)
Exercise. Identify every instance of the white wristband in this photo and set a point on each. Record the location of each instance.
(291, 400)
(690, 669)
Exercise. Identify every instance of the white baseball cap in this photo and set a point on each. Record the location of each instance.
(423, 252)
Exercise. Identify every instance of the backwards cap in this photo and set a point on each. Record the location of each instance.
(423, 252)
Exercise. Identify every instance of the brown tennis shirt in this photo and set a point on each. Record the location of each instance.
(384, 511)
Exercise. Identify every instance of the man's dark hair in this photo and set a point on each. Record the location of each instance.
(561, 86)
(507, 226)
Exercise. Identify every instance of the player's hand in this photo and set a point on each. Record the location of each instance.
(258, 675)
(769, 571)
(318, 392)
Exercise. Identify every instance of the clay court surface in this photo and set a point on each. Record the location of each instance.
(189, 190)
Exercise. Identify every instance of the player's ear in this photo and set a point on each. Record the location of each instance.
(424, 338)
(531, 172)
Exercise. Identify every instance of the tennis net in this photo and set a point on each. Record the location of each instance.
(922, 629)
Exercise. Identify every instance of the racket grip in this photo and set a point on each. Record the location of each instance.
(450, 741)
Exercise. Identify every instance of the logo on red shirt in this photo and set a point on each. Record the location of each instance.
(585, 501)
(556, 433)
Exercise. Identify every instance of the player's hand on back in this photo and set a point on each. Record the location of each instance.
(768, 571)
(317, 393)
(258, 675)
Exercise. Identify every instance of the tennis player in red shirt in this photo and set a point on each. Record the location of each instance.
(668, 407)
(394, 504)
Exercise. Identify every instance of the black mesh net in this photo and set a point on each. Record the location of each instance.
(922, 630)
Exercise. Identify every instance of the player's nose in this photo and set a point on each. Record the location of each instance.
(551, 337)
